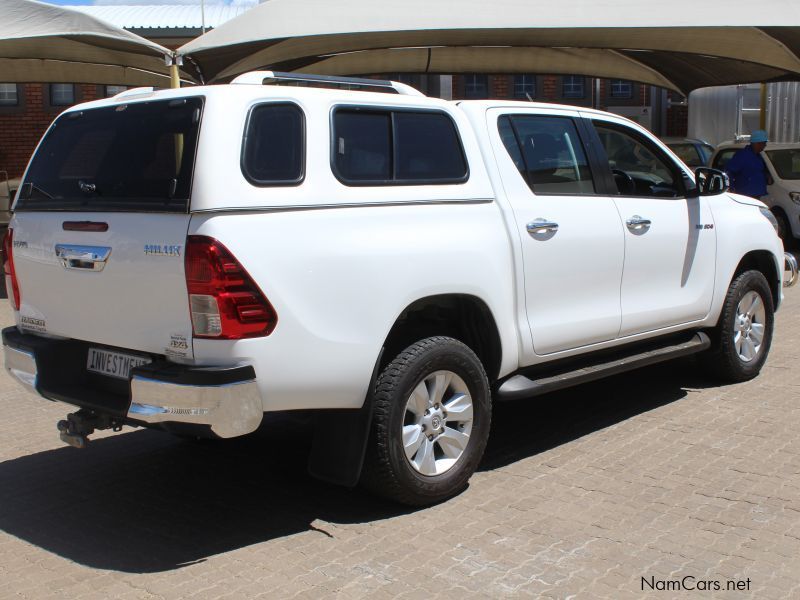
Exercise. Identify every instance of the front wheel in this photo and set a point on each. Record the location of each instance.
(742, 338)
(431, 420)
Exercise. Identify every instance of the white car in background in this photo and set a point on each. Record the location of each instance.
(783, 196)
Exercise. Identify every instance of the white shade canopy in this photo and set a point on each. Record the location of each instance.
(682, 45)
(45, 43)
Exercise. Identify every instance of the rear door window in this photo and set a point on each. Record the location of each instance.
(126, 157)
(400, 147)
(548, 152)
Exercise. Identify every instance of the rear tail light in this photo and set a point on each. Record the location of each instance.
(224, 300)
(12, 286)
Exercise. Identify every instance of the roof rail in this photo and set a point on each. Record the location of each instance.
(328, 81)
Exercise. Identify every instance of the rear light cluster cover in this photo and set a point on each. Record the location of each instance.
(12, 286)
(224, 300)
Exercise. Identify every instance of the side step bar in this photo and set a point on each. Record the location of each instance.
(521, 386)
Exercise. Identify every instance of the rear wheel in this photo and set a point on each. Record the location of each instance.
(742, 338)
(431, 419)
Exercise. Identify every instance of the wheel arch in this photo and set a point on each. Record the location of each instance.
(464, 317)
(763, 261)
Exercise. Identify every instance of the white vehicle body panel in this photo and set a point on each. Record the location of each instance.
(669, 267)
(138, 301)
(338, 279)
(560, 315)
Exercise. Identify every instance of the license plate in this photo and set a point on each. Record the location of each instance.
(113, 364)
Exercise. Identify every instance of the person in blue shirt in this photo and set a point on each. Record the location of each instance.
(747, 170)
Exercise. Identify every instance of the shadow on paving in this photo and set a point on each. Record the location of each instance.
(525, 428)
(144, 501)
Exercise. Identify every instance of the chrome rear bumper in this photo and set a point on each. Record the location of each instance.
(21, 365)
(229, 409)
(224, 400)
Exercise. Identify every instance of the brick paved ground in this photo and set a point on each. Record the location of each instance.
(658, 474)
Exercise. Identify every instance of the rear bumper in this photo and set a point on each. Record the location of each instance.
(223, 401)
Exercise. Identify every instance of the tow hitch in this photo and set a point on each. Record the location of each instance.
(78, 426)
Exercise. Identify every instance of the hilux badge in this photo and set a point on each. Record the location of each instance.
(165, 250)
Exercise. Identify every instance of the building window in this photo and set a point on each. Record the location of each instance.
(524, 86)
(8, 94)
(113, 90)
(621, 88)
(573, 86)
(62, 94)
(476, 86)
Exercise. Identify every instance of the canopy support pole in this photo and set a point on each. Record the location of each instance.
(174, 76)
(762, 117)
(174, 62)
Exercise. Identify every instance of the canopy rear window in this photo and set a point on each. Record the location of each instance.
(128, 157)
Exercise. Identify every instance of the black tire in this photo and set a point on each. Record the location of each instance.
(784, 229)
(387, 471)
(722, 359)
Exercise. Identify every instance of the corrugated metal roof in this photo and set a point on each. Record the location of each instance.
(162, 16)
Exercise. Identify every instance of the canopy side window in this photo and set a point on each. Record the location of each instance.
(548, 153)
(639, 167)
(396, 147)
(273, 151)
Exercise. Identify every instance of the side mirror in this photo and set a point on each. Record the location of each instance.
(711, 182)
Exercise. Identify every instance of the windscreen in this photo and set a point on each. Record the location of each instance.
(127, 157)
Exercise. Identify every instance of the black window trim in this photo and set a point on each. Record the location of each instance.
(603, 164)
(591, 163)
(381, 109)
(303, 132)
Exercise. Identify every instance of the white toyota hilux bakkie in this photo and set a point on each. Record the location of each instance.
(191, 259)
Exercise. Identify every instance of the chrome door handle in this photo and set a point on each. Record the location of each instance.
(540, 226)
(637, 223)
(90, 258)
